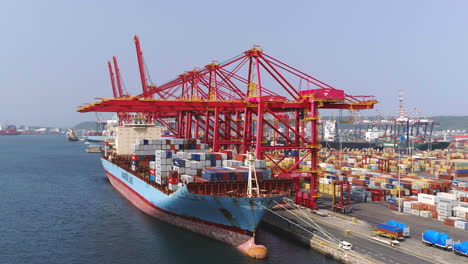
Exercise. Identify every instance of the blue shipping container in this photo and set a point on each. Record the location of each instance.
(390, 228)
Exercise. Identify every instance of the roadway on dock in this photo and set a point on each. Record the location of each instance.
(363, 245)
(371, 248)
(374, 213)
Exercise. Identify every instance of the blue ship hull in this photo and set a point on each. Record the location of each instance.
(95, 138)
(232, 220)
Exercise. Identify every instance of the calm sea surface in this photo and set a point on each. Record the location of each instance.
(57, 206)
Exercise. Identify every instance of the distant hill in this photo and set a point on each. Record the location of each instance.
(87, 125)
(451, 122)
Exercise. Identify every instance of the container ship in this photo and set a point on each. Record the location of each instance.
(221, 195)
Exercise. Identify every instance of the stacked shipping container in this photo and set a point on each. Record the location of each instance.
(176, 162)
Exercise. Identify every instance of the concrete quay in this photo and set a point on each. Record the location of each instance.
(357, 231)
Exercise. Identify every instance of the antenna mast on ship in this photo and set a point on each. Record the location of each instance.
(252, 176)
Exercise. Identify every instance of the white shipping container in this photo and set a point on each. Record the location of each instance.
(152, 164)
(449, 196)
(187, 178)
(461, 224)
(407, 210)
(164, 161)
(426, 198)
(441, 218)
(161, 167)
(415, 212)
(460, 210)
(427, 214)
(161, 180)
(444, 200)
(444, 206)
(445, 213)
(173, 187)
(324, 180)
(161, 154)
(162, 174)
(180, 170)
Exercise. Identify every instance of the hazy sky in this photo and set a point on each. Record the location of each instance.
(53, 54)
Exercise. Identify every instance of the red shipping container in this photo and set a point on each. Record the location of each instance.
(449, 222)
(135, 157)
(173, 180)
(152, 171)
(397, 234)
(150, 157)
(431, 208)
(239, 157)
(173, 174)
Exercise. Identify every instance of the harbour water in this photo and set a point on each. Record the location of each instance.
(57, 206)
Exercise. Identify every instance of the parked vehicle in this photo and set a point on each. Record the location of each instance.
(461, 249)
(388, 231)
(406, 229)
(346, 245)
(440, 240)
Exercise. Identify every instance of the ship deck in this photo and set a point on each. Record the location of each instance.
(232, 188)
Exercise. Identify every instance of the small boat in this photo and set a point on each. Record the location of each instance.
(71, 135)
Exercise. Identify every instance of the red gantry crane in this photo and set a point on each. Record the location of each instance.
(231, 105)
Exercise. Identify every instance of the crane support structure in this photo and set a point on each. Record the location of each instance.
(232, 105)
